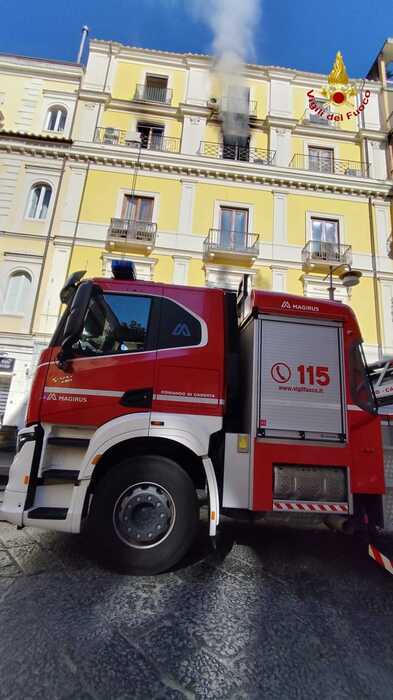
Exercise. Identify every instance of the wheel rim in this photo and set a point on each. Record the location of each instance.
(144, 515)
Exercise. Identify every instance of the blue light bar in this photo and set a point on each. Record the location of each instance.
(123, 270)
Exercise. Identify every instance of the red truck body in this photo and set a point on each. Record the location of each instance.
(265, 399)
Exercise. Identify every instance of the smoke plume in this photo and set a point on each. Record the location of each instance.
(233, 23)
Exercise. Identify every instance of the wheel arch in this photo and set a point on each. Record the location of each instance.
(186, 458)
(200, 469)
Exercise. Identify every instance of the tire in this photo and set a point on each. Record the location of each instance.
(144, 514)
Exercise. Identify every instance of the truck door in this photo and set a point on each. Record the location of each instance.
(111, 372)
(301, 394)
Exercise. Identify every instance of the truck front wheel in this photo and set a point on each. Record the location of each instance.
(144, 514)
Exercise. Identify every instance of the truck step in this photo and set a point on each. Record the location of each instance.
(48, 513)
(69, 442)
(65, 475)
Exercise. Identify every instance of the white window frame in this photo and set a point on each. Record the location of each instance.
(138, 193)
(14, 273)
(327, 217)
(219, 203)
(44, 186)
(60, 110)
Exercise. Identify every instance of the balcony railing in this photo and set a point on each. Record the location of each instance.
(329, 165)
(131, 233)
(151, 93)
(315, 118)
(107, 135)
(326, 253)
(258, 156)
(228, 104)
(233, 242)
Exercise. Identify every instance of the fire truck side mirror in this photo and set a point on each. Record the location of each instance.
(74, 325)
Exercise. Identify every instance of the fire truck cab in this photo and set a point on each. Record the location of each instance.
(149, 392)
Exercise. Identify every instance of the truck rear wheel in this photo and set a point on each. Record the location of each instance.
(144, 514)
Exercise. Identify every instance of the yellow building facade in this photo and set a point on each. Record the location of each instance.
(148, 171)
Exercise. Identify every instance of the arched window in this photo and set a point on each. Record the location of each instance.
(39, 199)
(56, 119)
(17, 293)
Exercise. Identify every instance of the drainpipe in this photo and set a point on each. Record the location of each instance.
(375, 277)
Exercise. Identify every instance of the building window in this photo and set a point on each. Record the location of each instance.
(56, 119)
(137, 208)
(18, 289)
(325, 238)
(156, 88)
(321, 160)
(320, 119)
(151, 135)
(39, 199)
(233, 228)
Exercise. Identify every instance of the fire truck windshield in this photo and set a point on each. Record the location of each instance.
(362, 392)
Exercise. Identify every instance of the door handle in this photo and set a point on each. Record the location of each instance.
(137, 398)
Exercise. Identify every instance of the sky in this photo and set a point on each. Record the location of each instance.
(302, 34)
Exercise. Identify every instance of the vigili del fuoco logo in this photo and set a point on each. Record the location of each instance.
(338, 91)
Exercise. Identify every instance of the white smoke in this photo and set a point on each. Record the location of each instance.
(233, 23)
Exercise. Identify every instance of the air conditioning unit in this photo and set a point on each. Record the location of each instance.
(133, 138)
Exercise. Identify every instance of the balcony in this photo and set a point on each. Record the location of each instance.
(257, 156)
(116, 137)
(130, 234)
(320, 255)
(236, 106)
(152, 93)
(231, 245)
(329, 166)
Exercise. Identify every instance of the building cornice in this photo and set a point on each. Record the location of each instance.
(26, 67)
(201, 167)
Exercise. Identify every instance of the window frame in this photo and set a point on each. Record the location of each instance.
(151, 331)
(320, 150)
(127, 204)
(45, 186)
(19, 272)
(326, 220)
(151, 135)
(60, 112)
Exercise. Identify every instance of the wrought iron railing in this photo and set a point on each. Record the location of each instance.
(321, 163)
(115, 137)
(258, 156)
(154, 142)
(329, 253)
(229, 104)
(240, 242)
(152, 93)
(129, 231)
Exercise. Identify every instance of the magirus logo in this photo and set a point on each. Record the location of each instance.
(298, 307)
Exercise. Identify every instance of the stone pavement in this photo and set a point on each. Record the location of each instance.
(288, 614)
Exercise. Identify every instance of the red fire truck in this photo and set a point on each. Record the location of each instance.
(150, 392)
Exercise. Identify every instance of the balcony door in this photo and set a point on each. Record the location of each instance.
(151, 136)
(325, 241)
(233, 228)
(137, 208)
(156, 88)
(321, 160)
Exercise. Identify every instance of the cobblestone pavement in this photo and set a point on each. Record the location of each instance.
(288, 614)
